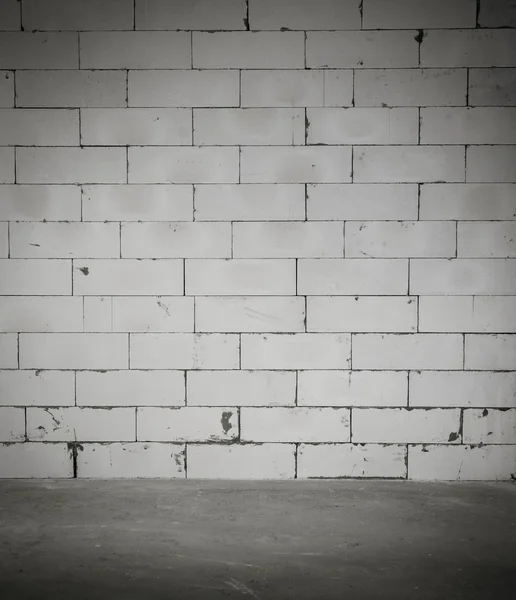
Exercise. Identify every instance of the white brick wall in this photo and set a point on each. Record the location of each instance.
(258, 239)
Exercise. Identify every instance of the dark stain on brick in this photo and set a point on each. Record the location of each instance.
(453, 437)
(84, 270)
(420, 36)
(225, 421)
(485, 412)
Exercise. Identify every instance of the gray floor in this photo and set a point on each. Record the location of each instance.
(317, 540)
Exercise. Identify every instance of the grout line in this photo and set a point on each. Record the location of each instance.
(352, 87)
(477, 15)
(408, 389)
(185, 373)
(75, 387)
(351, 425)
(18, 351)
(407, 461)
(194, 324)
(79, 49)
(134, 15)
(15, 91)
(296, 458)
(191, 49)
(8, 239)
(129, 351)
(184, 277)
(240, 351)
(135, 423)
(15, 165)
(467, 86)
(419, 201)
(361, 9)
(186, 461)
(296, 390)
(305, 44)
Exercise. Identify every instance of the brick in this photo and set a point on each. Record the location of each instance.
(240, 388)
(472, 314)
(35, 277)
(40, 202)
(73, 351)
(187, 424)
(71, 240)
(249, 50)
(497, 13)
(407, 351)
(461, 463)
(247, 202)
(367, 49)
(130, 388)
(288, 240)
(490, 352)
(78, 14)
(7, 165)
(97, 314)
(295, 351)
(249, 126)
(176, 240)
(183, 88)
(4, 240)
(37, 388)
(131, 461)
(350, 202)
(294, 424)
(10, 15)
(135, 50)
(182, 14)
(184, 351)
(338, 87)
(352, 277)
(240, 277)
(81, 424)
(71, 89)
(401, 425)
(492, 87)
(12, 424)
(28, 461)
(361, 314)
(419, 14)
(491, 164)
(71, 165)
(352, 388)
(391, 239)
(351, 461)
(136, 126)
(6, 89)
(153, 314)
(315, 164)
(183, 165)
(489, 426)
(23, 50)
(40, 314)
(39, 127)
(128, 277)
(469, 48)
(249, 314)
(252, 461)
(485, 239)
(283, 88)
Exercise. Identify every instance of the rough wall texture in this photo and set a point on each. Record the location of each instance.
(264, 239)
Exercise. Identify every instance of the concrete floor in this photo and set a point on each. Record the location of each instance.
(317, 540)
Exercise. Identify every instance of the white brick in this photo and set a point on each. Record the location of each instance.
(240, 277)
(338, 87)
(6, 165)
(249, 314)
(187, 424)
(176, 240)
(419, 14)
(353, 277)
(468, 201)
(184, 351)
(183, 88)
(408, 426)
(398, 164)
(71, 165)
(469, 48)
(24, 50)
(490, 426)
(73, 351)
(295, 424)
(367, 49)
(351, 461)
(473, 314)
(296, 351)
(461, 463)
(183, 165)
(81, 424)
(71, 89)
(12, 424)
(183, 14)
(78, 14)
(35, 277)
(131, 461)
(263, 461)
(410, 87)
(490, 352)
(39, 314)
(97, 314)
(492, 87)
(37, 388)
(283, 88)
(361, 314)
(130, 388)
(462, 388)
(247, 202)
(40, 202)
(392, 239)
(249, 126)
(27, 460)
(39, 127)
(407, 351)
(241, 388)
(485, 239)
(60, 240)
(153, 314)
(491, 163)
(288, 240)
(249, 50)
(352, 388)
(10, 15)
(135, 50)
(497, 13)
(6, 89)
(315, 164)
